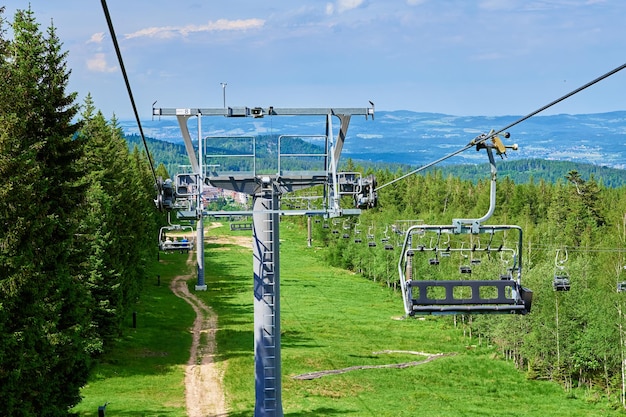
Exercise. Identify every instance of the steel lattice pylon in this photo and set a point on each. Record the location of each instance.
(266, 191)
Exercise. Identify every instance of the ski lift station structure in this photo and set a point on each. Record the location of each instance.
(266, 191)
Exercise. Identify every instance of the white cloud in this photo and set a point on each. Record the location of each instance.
(165, 32)
(415, 2)
(98, 63)
(369, 136)
(96, 38)
(343, 6)
(495, 5)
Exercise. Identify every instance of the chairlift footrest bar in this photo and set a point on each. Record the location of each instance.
(509, 297)
(240, 226)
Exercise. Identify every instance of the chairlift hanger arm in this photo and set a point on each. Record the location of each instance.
(483, 138)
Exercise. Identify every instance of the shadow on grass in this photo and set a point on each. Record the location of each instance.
(145, 413)
(322, 411)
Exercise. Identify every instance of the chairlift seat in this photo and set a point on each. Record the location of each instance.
(561, 283)
(371, 244)
(621, 286)
(433, 261)
(388, 247)
(241, 226)
(465, 269)
(187, 215)
(475, 261)
(510, 297)
(358, 240)
(168, 246)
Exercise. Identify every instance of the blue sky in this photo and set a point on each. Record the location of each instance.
(460, 57)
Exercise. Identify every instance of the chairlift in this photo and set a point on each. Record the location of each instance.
(476, 247)
(498, 295)
(445, 253)
(621, 286)
(169, 238)
(385, 238)
(501, 294)
(371, 239)
(464, 269)
(561, 281)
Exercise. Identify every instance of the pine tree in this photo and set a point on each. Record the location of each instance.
(119, 227)
(45, 322)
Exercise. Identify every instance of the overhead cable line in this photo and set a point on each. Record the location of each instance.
(485, 137)
(107, 15)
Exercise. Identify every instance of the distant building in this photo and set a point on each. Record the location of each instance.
(214, 193)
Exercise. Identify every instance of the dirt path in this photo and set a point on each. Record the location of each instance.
(203, 379)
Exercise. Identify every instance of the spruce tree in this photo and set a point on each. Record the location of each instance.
(45, 318)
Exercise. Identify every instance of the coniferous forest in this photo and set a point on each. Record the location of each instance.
(78, 226)
(573, 227)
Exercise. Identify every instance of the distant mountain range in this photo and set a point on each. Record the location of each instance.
(416, 139)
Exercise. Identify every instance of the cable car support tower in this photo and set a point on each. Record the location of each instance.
(266, 191)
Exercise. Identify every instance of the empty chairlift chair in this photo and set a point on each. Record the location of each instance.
(561, 281)
(463, 268)
(371, 239)
(385, 239)
(429, 293)
(426, 291)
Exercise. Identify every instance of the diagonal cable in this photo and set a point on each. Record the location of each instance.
(483, 138)
(130, 92)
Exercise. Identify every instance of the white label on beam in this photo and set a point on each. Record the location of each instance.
(183, 112)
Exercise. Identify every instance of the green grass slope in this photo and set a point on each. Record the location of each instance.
(331, 319)
(143, 374)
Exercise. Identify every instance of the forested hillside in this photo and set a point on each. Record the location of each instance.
(173, 156)
(522, 171)
(573, 337)
(78, 226)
